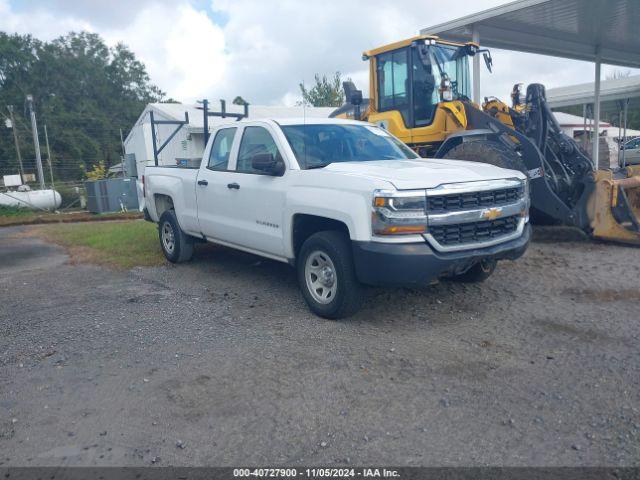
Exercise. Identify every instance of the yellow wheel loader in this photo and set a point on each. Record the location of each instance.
(420, 89)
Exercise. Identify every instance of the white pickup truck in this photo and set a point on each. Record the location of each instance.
(345, 203)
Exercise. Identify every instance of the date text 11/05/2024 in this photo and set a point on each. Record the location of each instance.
(316, 472)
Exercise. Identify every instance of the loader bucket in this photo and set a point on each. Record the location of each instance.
(614, 209)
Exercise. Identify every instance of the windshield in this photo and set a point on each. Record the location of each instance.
(317, 146)
(453, 63)
(430, 64)
(409, 80)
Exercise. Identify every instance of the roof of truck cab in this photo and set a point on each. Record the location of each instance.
(314, 121)
(285, 121)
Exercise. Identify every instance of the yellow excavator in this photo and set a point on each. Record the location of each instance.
(420, 92)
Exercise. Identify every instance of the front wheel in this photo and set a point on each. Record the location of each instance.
(478, 273)
(327, 277)
(176, 245)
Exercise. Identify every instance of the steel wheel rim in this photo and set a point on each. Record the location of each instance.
(320, 276)
(168, 238)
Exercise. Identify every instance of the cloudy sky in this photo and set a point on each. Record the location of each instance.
(262, 49)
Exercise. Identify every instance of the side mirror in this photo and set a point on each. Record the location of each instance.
(488, 61)
(268, 164)
(356, 98)
(352, 95)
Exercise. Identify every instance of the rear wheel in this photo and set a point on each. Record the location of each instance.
(492, 152)
(478, 273)
(176, 245)
(327, 276)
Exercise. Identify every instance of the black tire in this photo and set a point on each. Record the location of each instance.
(491, 152)
(181, 247)
(478, 273)
(346, 298)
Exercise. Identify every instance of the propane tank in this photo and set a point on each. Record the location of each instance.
(32, 199)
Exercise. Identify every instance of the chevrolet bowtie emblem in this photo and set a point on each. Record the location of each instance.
(491, 213)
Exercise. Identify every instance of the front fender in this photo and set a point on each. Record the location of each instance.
(350, 208)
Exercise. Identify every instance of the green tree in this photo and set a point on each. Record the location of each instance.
(84, 91)
(327, 92)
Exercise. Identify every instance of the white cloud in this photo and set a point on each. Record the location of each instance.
(183, 50)
(39, 22)
(99, 13)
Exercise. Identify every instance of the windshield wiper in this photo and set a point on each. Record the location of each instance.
(322, 165)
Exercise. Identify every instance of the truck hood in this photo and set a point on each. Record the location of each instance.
(422, 173)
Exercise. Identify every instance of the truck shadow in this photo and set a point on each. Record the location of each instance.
(250, 281)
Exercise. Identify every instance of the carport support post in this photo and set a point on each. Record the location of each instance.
(476, 67)
(596, 116)
(623, 162)
(585, 138)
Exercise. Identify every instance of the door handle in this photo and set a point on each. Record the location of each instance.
(233, 185)
(203, 182)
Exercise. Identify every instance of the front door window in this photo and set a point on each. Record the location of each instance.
(255, 141)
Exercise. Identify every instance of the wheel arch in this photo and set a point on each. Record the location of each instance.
(304, 225)
(162, 202)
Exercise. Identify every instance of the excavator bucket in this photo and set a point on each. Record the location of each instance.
(614, 208)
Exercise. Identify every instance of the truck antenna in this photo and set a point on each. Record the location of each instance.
(304, 121)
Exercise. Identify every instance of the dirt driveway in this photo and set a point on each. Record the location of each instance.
(219, 362)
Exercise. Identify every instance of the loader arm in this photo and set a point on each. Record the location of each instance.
(544, 199)
(603, 203)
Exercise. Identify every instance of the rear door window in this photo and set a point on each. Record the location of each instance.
(221, 149)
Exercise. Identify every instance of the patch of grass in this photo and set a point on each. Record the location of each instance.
(123, 244)
(6, 211)
(25, 216)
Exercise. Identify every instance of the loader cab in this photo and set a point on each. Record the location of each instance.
(416, 78)
(412, 79)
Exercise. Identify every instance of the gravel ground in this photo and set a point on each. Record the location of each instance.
(219, 362)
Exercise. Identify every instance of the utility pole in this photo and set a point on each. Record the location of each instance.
(123, 154)
(15, 139)
(122, 142)
(36, 142)
(46, 137)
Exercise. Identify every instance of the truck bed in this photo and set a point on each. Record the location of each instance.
(174, 182)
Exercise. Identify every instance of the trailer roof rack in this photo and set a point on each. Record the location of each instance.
(222, 113)
(181, 123)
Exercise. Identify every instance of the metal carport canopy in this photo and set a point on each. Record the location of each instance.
(600, 31)
(610, 91)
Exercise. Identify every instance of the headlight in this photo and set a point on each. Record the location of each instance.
(399, 212)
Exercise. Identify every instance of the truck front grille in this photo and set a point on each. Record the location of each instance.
(470, 200)
(474, 232)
